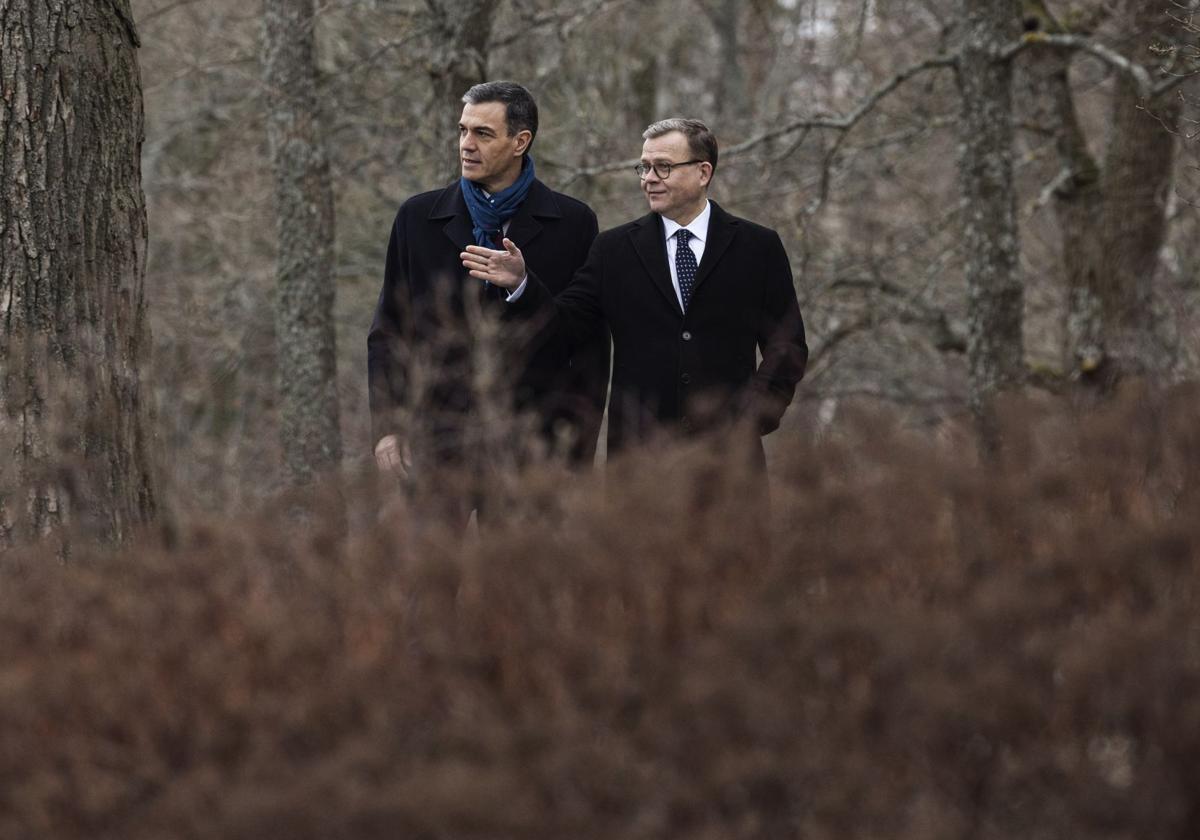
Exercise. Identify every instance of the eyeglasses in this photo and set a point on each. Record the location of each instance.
(662, 170)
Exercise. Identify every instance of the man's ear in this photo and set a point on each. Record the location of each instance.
(707, 170)
(524, 138)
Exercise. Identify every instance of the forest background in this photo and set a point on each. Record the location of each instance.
(977, 616)
(863, 187)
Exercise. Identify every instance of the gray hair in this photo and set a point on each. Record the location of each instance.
(520, 110)
(701, 141)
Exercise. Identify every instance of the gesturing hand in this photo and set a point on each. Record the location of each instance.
(505, 269)
(393, 456)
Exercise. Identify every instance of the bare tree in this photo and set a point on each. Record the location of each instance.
(731, 96)
(304, 201)
(1112, 213)
(1138, 177)
(849, 123)
(995, 295)
(74, 425)
(457, 59)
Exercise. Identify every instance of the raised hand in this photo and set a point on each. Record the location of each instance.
(505, 269)
(393, 457)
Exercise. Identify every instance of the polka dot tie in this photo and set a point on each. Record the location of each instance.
(685, 265)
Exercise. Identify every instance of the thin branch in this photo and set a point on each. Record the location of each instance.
(1140, 75)
(1048, 192)
(852, 119)
(565, 21)
(164, 9)
(908, 308)
(842, 124)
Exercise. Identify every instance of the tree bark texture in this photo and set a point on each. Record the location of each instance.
(730, 94)
(1139, 165)
(995, 297)
(1078, 204)
(1113, 216)
(75, 429)
(304, 325)
(458, 60)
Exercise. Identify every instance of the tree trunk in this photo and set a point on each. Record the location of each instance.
(1113, 217)
(74, 426)
(1078, 205)
(995, 346)
(304, 328)
(731, 98)
(1139, 167)
(458, 61)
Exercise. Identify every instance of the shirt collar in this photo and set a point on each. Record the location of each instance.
(698, 227)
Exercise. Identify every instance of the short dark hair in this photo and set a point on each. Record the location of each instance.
(701, 141)
(520, 111)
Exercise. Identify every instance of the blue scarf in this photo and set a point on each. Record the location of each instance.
(488, 215)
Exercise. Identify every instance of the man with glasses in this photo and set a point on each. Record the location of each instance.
(690, 294)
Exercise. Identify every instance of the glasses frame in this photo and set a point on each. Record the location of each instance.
(643, 169)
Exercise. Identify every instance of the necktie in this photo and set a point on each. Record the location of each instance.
(685, 265)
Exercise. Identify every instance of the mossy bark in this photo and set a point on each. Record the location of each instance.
(75, 431)
(304, 317)
(995, 295)
(1112, 213)
(458, 60)
(1138, 175)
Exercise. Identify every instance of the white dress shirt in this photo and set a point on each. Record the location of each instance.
(698, 227)
(515, 293)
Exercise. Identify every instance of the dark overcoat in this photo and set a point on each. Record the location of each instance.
(695, 370)
(424, 351)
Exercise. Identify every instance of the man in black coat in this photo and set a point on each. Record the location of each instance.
(689, 292)
(430, 365)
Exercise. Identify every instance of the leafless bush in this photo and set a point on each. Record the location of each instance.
(933, 646)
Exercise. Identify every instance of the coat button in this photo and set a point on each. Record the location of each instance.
(687, 336)
(685, 379)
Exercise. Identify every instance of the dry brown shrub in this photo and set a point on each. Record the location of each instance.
(934, 646)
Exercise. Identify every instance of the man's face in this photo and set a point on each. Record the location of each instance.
(683, 192)
(489, 156)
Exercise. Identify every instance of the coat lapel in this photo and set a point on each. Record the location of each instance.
(452, 207)
(522, 229)
(721, 229)
(651, 248)
(540, 203)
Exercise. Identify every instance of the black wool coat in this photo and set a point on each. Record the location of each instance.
(694, 371)
(424, 348)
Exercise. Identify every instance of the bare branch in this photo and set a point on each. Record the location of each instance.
(1060, 180)
(907, 308)
(564, 21)
(164, 9)
(1140, 75)
(852, 119)
(842, 124)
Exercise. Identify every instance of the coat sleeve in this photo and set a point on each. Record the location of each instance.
(387, 376)
(781, 341)
(576, 314)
